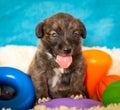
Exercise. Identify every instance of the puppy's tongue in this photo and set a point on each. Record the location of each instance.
(64, 62)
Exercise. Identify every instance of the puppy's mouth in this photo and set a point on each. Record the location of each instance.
(64, 61)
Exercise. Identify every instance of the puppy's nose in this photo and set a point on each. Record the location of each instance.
(67, 50)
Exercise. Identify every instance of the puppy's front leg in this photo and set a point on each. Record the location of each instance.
(78, 89)
(41, 87)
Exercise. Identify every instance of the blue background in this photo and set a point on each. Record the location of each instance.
(18, 19)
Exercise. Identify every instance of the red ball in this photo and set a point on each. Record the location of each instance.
(104, 82)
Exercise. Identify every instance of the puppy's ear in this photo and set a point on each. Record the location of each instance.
(39, 30)
(83, 30)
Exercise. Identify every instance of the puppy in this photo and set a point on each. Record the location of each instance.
(58, 67)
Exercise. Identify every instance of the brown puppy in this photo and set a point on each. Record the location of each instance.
(58, 68)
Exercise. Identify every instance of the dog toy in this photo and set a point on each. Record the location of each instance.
(111, 94)
(98, 65)
(104, 82)
(23, 86)
(68, 102)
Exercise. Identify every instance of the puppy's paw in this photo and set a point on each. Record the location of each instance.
(76, 97)
(44, 99)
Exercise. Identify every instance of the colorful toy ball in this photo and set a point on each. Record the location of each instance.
(98, 65)
(21, 82)
(111, 94)
(104, 82)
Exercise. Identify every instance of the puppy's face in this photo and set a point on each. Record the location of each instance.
(61, 34)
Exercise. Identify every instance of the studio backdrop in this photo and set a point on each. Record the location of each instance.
(18, 19)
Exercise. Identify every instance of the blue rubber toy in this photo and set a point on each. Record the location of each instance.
(21, 82)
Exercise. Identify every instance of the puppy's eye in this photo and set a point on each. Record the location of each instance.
(76, 34)
(54, 34)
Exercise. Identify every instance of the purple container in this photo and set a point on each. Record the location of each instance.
(68, 102)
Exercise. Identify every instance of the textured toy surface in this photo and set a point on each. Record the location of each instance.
(68, 102)
(111, 94)
(22, 83)
(98, 64)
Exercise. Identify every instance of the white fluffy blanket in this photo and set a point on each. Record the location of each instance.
(21, 56)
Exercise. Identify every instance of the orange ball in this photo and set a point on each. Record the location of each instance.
(104, 82)
(98, 65)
